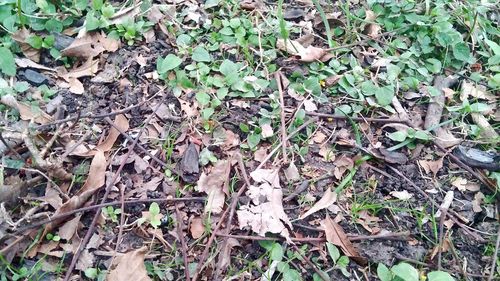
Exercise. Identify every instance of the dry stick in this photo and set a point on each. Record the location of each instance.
(451, 215)
(444, 210)
(387, 236)
(122, 217)
(494, 262)
(343, 117)
(308, 261)
(91, 228)
(183, 242)
(466, 167)
(282, 114)
(234, 202)
(113, 203)
(230, 211)
(204, 255)
(312, 120)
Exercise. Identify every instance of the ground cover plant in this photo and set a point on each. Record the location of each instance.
(249, 140)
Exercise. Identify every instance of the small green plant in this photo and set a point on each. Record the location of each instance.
(53, 237)
(94, 273)
(153, 216)
(111, 213)
(340, 262)
(276, 254)
(406, 272)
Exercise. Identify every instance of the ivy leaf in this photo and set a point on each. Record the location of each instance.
(203, 98)
(398, 136)
(461, 52)
(333, 251)
(383, 272)
(440, 276)
(168, 63)
(277, 252)
(7, 63)
(253, 140)
(200, 54)
(405, 272)
(384, 95)
(228, 68)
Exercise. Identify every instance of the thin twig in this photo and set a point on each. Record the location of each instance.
(292, 134)
(230, 211)
(362, 119)
(111, 183)
(308, 261)
(183, 243)
(129, 138)
(282, 115)
(494, 257)
(450, 214)
(102, 205)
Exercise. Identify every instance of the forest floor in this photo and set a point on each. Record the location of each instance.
(249, 140)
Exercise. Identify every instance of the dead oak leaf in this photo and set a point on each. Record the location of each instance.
(121, 123)
(329, 197)
(431, 166)
(335, 234)
(266, 214)
(305, 54)
(130, 266)
(25, 111)
(95, 180)
(196, 228)
(215, 184)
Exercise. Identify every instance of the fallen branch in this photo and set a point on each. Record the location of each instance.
(183, 243)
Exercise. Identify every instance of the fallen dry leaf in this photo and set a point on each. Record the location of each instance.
(305, 54)
(266, 214)
(215, 184)
(91, 45)
(27, 63)
(267, 131)
(336, 235)
(196, 227)
(292, 173)
(95, 180)
(431, 166)
(464, 185)
(225, 255)
(329, 197)
(120, 122)
(68, 229)
(401, 195)
(130, 266)
(27, 112)
(479, 92)
(20, 37)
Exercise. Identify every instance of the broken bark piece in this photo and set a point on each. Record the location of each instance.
(189, 166)
(435, 112)
(477, 158)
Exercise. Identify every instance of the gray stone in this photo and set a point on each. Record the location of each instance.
(34, 77)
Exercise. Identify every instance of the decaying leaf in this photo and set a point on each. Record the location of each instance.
(401, 195)
(27, 112)
(336, 235)
(305, 54)
(90, 45)
(95, 180)
(464, 185)
(292, 173)
(431, 166)
(329, 197)
(21, 37)
(266, 214)
(215, 184)
(196, 227)
(120, 122)
(475, 91)
(130, 266)
(372, 29)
